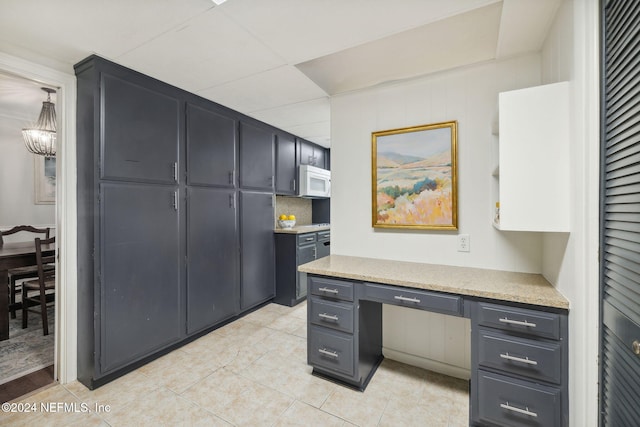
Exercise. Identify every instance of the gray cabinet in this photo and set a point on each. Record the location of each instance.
(258, 253)
(256, 157)
(518, 366)
(140, 132)
(311, 154)
(212, 257)
(211, 147)
(140, 275)
(293, 250)
(344, 332)
(286, 165)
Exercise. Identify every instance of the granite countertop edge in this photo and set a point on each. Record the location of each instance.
(527, 288)
(301, 229)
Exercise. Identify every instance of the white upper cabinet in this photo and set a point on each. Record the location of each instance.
(533, 171)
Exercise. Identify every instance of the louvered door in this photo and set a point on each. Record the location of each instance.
(620, 228)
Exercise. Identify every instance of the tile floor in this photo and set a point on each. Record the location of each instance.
(252, 372)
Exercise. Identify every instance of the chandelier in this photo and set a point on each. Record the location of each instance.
(41, 138)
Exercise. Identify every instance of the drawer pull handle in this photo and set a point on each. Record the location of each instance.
(517, 322)
(328, 353)
(525, 411)
(518, 359)
(635, 346)
(330, 291)
(328, 316)
(308, 239)
(407, 299)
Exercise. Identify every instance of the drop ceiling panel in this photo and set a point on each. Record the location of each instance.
(302, 30)
(206, 51)
(460, 40)
(281, 86)
(314, 132)
(70, 30)
(316, 110)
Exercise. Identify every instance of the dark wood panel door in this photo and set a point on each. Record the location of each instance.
(140, 132)
(258, 248)
(211, 147)
(140, 274)
(212, 257)
(256, 157)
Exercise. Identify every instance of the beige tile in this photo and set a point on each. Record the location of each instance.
(303, 415)
(301, 331)
(363, 409)
(257, 406)
(117, 393)
(287, 324)
(217, 390)
(178, 370)
(162, 408)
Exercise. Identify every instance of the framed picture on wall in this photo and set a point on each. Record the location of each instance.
(414, 177)
(45, 180)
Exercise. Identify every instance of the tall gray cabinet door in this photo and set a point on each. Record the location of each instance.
(258, 248)
(620, 216)
(140, 274)
(139, 133)
(211, 147)
(256, 157)
(212, 257)
(286, 166)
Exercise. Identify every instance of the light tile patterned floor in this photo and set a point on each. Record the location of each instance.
(253, 372)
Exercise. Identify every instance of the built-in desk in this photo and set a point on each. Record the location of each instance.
(519, 322)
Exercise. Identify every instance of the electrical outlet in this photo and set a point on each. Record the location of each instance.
(464, 243)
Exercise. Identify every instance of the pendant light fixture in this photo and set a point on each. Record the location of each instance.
(41, 138)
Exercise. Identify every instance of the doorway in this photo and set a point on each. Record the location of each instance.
(28, 194)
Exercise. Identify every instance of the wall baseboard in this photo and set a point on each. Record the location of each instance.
(431, 365)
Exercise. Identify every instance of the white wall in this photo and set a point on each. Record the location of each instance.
(17, 178)
(571, 262)
(470, 96)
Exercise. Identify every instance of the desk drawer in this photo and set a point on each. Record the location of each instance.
(521, 320)
(332, 315)
(306, 238)
(422, 300)
(526, 357)
(330, 350)
(509, 402)
(324, 236)
(331, 288)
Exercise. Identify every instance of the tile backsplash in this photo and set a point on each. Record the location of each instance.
(301, 208)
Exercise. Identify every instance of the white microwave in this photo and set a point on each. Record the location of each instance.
(314, 182)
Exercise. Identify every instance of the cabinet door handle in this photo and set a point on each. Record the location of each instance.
(635, 347)
(518, 359)
(328, 316)
(517, 322)
(406, 299)
(525, 411)
(175, 200)
(330, 291)
(328, 353)
(293, 185)
(231, 200)
(315, 253)
(175, 171)
(231, 177)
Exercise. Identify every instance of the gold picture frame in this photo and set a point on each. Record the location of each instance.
(415, 177)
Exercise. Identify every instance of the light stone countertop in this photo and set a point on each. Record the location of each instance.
(494, 284)
(301, 229)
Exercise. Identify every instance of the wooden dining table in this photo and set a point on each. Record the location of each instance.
(13, 255)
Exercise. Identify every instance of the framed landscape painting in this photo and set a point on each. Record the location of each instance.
(414, 177)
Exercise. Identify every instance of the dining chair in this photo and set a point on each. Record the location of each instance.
(21, 273)
(46, 282)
